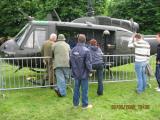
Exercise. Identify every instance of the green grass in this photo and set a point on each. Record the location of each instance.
(43, 104)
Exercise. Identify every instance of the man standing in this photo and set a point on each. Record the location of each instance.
(142, 53)
(157, 74)
(61, 64)
(81, 67)
(46, 51)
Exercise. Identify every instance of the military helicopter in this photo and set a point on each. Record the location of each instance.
(112, 35)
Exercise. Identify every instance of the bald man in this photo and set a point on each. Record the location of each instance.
(46, 51)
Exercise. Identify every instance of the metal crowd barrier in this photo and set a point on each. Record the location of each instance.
(120, 68)
(23, 72)
(29, 72)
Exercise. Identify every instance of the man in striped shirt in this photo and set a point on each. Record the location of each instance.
(142, 53)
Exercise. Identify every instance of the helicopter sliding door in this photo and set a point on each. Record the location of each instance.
(71, 34)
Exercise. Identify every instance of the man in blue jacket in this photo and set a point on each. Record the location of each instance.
(81, 67)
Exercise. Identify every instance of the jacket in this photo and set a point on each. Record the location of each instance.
(80, 59)
(47, 48)
(61, 54)
(96, 55)
(158, 53)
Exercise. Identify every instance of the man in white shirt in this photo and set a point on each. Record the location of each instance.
(142, 53)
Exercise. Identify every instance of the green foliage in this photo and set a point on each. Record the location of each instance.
(12, 20)
(144, 12)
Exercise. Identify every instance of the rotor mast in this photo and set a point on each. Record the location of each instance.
(90, 9)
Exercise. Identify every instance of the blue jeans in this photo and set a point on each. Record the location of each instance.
(157, 74)
(84, 87)
(62, 74)
(99, 72)
(141, 75)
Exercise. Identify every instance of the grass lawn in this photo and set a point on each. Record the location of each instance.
(43, 104)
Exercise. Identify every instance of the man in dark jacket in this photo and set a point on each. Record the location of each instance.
(157, 73)
(81, 67)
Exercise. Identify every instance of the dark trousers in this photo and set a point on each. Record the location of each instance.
(157, 74)
(99, 73)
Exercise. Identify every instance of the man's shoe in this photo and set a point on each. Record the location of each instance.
(76, 106)
(57, 92)
(99, 94)
(87, 107)
(138, 92)
(158, 90)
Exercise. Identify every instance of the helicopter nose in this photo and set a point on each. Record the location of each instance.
(8, 48)
(9, 45)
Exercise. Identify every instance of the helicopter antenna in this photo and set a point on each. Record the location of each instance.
(90, 9)
(55, 13)
(30, 18)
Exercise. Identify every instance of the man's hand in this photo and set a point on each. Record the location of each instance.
(44, 61)
(90, 74)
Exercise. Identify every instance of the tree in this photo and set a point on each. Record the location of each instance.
(12, 20)
(144, 12)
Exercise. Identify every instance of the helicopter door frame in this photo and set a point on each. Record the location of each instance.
(35, 36)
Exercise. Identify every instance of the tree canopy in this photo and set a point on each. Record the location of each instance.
(12, 20)
(144, 12)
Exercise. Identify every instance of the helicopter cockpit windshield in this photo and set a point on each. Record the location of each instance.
(21, 35)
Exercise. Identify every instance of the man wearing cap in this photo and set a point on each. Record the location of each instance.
(61, 64)
(81, 67)
(46, 51)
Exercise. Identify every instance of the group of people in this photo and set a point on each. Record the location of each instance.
(81, 60)
(142, 54)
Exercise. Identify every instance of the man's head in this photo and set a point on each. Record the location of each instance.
(138, 37)
(158, 37)
(81, 38)
(53, 37)
(61, 37)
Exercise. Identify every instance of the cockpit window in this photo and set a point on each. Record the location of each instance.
(36, 38)
(21, 35)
